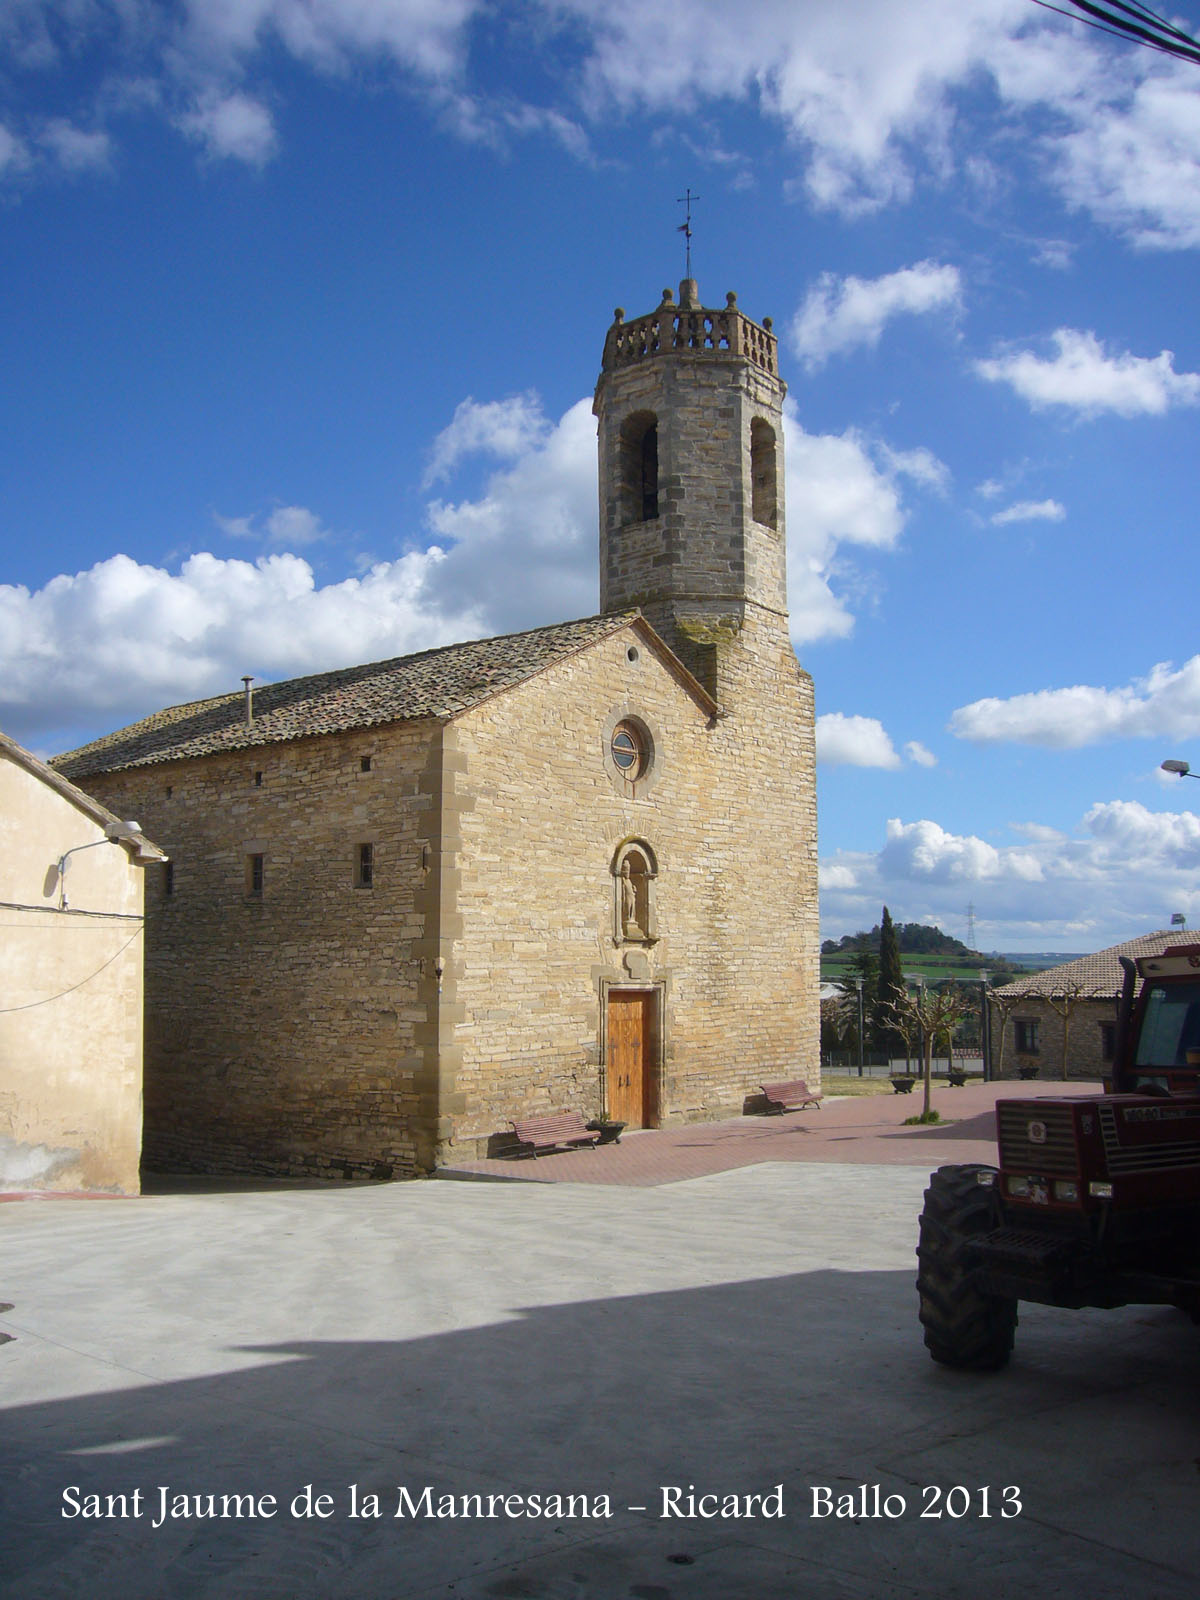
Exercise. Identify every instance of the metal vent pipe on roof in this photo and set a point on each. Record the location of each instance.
(247, 681)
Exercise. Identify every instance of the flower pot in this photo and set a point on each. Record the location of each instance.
(610, 1132)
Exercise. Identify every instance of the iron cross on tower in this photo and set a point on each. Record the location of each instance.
(685, 228)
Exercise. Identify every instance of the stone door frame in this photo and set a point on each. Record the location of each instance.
(653, 1054)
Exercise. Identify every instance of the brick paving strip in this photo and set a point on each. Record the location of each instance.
(864, 1129)
(855, 1130)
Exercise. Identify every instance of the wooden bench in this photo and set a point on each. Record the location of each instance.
(793, 1095)
(560, 1130)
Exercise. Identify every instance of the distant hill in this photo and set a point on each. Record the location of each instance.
(914, 939)
(926, 949)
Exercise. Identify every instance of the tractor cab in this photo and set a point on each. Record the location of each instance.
(1159, 1047)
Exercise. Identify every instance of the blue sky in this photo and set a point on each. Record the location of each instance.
(304, 301)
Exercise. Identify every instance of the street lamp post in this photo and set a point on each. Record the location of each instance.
(858, 984)
(917, 979)
(985, 1030)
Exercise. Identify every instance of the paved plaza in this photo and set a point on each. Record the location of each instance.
(742, 1340)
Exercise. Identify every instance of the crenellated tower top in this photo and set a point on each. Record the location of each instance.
(688, 327)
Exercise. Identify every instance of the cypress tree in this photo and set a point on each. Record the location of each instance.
(891, 977)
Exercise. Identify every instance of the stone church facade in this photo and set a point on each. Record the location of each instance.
(569, 868)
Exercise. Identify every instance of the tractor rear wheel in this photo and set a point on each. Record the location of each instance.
(963, 1326)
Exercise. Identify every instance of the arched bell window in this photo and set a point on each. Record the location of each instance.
(764, 491)
(639, 467)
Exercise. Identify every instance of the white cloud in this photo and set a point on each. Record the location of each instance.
(1129, 836)
(860, 90)
(501, 428)
(231, 126)
(525, 550)
(123, 638)
(1083, 377)
(75, 149)
(425, 36)
(869, 96)
(287, 525)
(1120, 873)
(520, 553)
(844, 741)
(1164, 704)
(1135, 165)
(1030, 511)
(853, 741)
(921, 465)
(842, 314)
(842, 491)
(925, 851)
(14, 155)
(919, 754)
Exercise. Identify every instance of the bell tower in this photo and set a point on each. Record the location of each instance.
(689, 403)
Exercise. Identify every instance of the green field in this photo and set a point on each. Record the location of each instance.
(836, 968)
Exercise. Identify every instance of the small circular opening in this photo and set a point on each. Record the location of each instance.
(632, 653)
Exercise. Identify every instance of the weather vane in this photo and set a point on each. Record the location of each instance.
(685, 228)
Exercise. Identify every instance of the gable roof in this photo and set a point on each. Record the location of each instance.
(137, 845)
(1097, 975)
(431, 684)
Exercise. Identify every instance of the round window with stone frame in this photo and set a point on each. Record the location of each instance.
(628, 750)
(632, 752)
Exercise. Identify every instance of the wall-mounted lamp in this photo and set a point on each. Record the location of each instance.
(114, 833)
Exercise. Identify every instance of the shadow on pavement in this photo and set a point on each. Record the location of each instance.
(815, 1378)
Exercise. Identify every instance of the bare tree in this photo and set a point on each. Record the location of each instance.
(1001, 1005)
(931, 1013)
(1064, 1003)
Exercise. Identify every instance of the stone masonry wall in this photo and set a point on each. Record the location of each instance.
(284, 1030)
(729, 815)
(1085, 1057)
(696, 546)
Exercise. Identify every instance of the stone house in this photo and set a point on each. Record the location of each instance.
(568, 868)
(1027, 1018)
(71, 881)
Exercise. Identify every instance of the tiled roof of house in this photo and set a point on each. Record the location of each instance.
(432, 683)
(1096, 975)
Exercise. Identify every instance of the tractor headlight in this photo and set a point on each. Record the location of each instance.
(1017, 1186)
(1100, 1191)
(1064, 1189)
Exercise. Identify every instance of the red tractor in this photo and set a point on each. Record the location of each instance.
(1096, 1201)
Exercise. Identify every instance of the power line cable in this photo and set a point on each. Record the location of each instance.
(1138, 23)
(48, 999)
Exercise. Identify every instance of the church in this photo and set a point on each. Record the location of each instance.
(571, 868)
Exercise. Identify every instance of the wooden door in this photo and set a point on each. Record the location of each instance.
(631, 1056)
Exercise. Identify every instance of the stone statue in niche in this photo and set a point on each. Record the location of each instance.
(630, 925)
(634, 913)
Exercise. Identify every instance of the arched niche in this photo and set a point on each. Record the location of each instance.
(634, 871)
